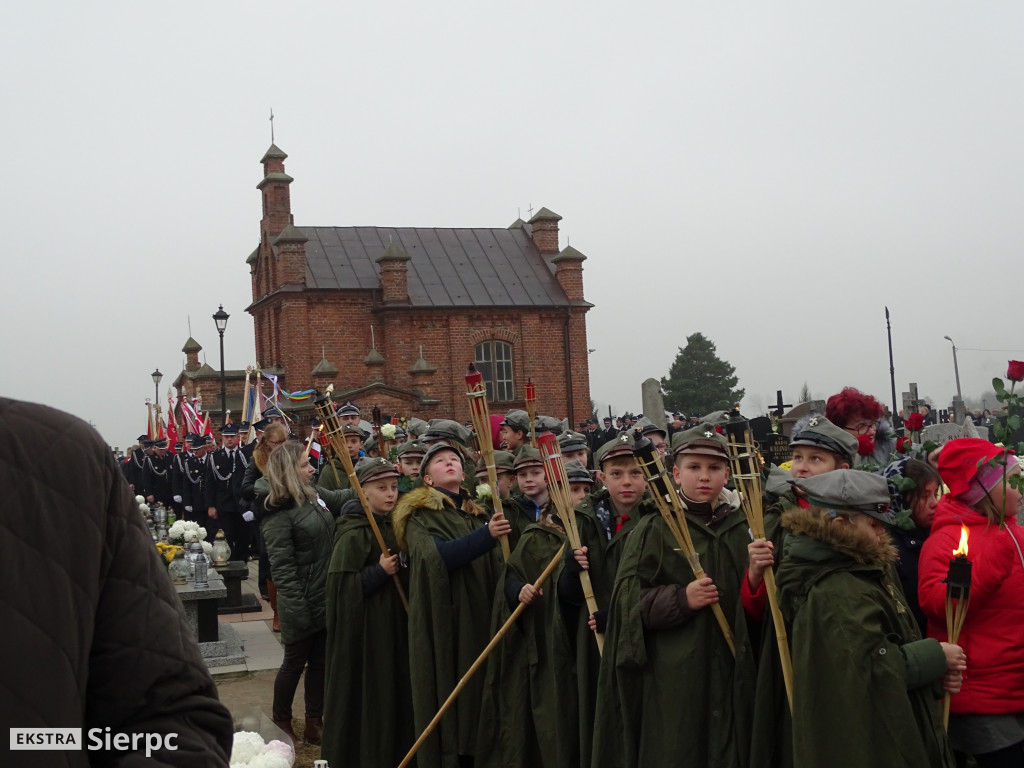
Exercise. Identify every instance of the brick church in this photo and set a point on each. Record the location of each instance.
(392, 316)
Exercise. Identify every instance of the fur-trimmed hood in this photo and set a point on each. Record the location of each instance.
(861, 547)
(425, 499)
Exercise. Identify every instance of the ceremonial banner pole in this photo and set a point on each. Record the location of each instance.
(560, 492)
(746, 475)
(479, 661)
(481, 417)
(329, 419)
(958, 588)
(531, 410)
(672, 512)
(245, 395)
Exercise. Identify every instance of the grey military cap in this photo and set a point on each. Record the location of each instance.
(822, 433)
(850, 489)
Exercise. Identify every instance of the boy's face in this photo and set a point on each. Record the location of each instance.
(354, 444)
(580, 491)
(510, 438)
(381, 495)
(505, 480)
(700, 477)
(580, 455)
(410, 465)
(532, 482)
(809, 461)
(864, 523)
(624, 480)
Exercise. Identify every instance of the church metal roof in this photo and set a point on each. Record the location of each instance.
(447, 267)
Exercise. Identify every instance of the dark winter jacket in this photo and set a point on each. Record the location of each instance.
(94, 634)
(299, 539)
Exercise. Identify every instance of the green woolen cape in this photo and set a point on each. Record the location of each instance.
(865, 684)
(368, 700)
(529, 712)
(449, 619)
(676, 697)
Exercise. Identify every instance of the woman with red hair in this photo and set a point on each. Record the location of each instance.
(862, 415)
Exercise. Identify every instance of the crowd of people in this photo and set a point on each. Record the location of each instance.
(671, 668)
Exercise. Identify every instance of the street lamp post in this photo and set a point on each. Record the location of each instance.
(220, 317)
(157, 376)
(956, 368)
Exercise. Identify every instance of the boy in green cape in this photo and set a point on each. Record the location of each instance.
(368, 703)
(453, 571)
(670, 691)
(529, 717)
(866, 687)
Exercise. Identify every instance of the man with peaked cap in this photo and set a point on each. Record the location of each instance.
(348, 414)
(836, 591)
(222, 488)
(156, 475)
(193, 500)
(135, 464)
(178, 472)
(273, 413)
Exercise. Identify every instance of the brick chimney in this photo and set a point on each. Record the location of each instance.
(277, 204)
(569, 272)
(394, 274)
(192, 350)
(291, 257)
(544, 231)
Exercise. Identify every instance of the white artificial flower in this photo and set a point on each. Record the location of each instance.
(140, 499)
(245, 746)
(388, 431)
(270, 760)
(276, 747)
(483, 491)
(207, 548)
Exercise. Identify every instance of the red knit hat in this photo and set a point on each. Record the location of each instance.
(958, 467)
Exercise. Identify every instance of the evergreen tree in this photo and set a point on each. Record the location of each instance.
(698, 381)
(805, 394)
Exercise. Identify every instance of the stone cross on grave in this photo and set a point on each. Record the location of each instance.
(780, 407)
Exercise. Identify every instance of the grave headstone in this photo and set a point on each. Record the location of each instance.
(940, 434)
(654, 403)
(775, 449)
(760, 428)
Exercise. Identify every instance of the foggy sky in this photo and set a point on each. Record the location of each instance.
(770, 174)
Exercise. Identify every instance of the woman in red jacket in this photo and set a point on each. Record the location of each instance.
(987, 718)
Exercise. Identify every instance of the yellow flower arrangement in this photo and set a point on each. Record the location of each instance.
(167, 550)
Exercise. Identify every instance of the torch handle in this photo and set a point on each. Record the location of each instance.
(479, 662)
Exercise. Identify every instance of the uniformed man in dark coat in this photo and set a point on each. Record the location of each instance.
(156, 475)
(222, 487)
(192, 499)
(134, 463)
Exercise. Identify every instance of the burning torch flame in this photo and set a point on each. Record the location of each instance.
(962, 549)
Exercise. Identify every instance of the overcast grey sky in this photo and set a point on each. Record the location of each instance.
(770, 174)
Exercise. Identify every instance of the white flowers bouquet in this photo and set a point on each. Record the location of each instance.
(182, 531)
(250, 750)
